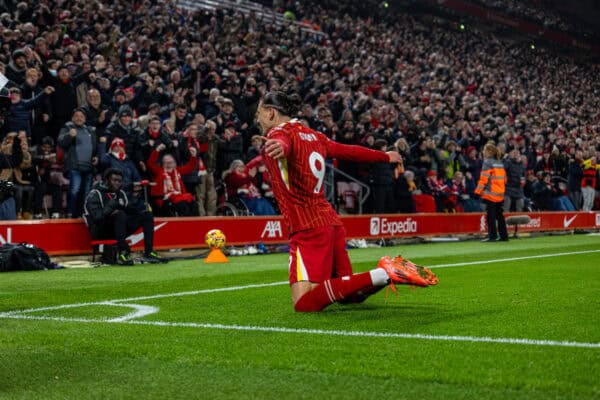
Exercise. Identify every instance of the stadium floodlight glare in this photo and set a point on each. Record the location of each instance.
(386, 4)
(532, 46)
(462, 27)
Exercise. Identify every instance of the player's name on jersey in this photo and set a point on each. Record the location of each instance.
(309, 137)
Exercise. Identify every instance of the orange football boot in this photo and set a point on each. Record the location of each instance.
(423, 272)
(400, 274)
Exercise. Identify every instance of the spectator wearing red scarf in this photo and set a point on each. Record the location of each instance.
(170, 189)
(116, 158)
(153, 136)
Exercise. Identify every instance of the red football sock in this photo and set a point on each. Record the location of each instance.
(337, 289)
(361, 295)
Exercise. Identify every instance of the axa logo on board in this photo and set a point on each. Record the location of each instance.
(272, 230)
(384, 226)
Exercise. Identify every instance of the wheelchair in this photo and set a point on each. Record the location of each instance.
(230, 206)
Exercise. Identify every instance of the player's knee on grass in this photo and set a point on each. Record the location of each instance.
(302, 296)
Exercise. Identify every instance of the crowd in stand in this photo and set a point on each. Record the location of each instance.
(169, 96)
(541, 12)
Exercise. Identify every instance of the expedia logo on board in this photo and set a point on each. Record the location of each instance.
(383, 226)
(375, 226)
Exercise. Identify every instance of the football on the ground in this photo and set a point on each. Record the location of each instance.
(215, 239)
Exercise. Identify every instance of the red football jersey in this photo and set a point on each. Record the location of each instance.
(298, 177)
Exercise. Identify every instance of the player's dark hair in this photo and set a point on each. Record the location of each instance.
(112, 171)
(287, 104)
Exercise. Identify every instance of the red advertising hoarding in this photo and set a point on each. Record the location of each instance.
(71, 236)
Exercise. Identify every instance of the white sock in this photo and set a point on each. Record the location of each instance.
(379, 277)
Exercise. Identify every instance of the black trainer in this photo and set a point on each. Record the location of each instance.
(153, 258)
(124, 258)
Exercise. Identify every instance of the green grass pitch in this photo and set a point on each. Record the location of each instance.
(452, 341)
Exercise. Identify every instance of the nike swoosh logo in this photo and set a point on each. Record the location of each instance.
(569, 221)
(138, 237)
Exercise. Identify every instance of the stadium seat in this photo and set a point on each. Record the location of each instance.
(424, 203)
(102, 242)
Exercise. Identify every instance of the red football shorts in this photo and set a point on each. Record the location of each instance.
(319, 254)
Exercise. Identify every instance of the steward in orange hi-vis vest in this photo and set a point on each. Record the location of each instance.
(492, 181)
(491, 187)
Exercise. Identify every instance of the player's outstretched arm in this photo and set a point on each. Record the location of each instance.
(360, 153)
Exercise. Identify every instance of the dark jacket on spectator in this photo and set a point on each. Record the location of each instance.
(100, 204)
(181, 123)
(226, 121)
(403, 196)
(542, 196)
(64, 99)
(20, 114)
(382, 174)
(92, 115)
(155, 96)
(232, 150)
(575, 175)
(515, 175)
(8, 161)
(559, 164)
(130, 135)
(38, 125)
(79, 150)
(14, 74)
(209, 109)
(157, 138)
(474, 167)
(126, 166)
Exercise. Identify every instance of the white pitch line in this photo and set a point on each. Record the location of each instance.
(274, 329)
(261, 285)
(514, 259)
(194, 292)
(140, 312)
(158, 296)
